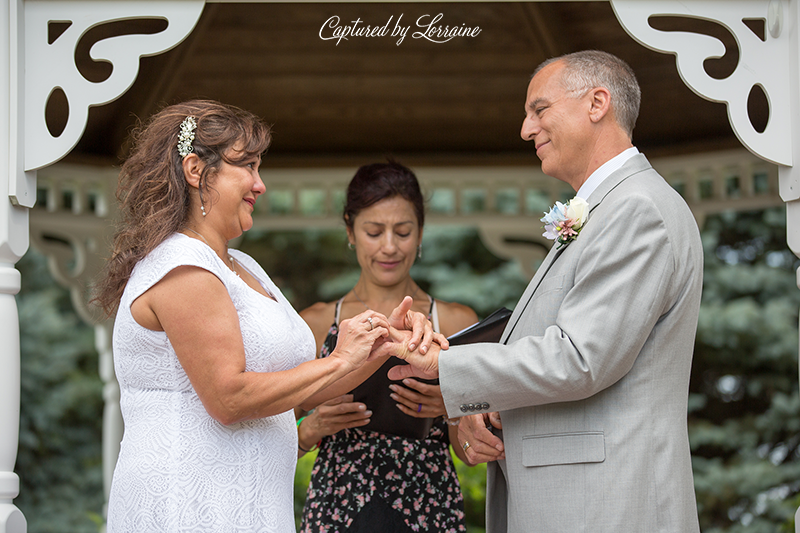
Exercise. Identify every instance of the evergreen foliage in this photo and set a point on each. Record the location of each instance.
(59, 461)
(316, 265)
(744, 410)
(744, 419)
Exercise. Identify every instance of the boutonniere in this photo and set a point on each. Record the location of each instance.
(565, 221)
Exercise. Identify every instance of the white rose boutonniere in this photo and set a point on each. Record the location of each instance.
(565, 221)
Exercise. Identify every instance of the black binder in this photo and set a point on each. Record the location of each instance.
(386, 417)
(490, 329)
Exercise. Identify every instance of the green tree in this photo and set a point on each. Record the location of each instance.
(59, 460)
(744, 411)
(744, 418)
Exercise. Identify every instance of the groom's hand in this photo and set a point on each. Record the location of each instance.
(422, 334)
(484, 445)
(396, 344)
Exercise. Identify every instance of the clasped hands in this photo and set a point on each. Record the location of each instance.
(409, 329)
(409, 335)
(404, 334)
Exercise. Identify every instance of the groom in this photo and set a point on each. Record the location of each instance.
(586, 395)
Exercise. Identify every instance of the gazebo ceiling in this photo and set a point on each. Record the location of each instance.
(422, 102)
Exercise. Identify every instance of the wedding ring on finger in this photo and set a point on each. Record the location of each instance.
(371, 325)
(465, 445)
(419, 408)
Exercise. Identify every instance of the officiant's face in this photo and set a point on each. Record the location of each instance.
(386, 236)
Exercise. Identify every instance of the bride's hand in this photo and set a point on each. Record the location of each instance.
(357, 336)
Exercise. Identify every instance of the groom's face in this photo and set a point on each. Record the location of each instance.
(557, 121)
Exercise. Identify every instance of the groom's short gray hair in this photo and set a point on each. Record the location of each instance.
(593, 68)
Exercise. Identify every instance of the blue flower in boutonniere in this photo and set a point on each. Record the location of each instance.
(565, 221)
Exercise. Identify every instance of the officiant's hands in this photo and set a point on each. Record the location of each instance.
(328, 418)
(418, 399)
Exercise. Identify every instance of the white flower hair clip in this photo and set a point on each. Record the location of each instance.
(186, 137)
(565, 221)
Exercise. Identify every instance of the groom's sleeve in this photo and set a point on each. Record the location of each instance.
(623, 282)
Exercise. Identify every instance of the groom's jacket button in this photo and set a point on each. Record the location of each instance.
(484, 406)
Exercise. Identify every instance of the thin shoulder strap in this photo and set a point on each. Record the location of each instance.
(338, 310)
(434, 313)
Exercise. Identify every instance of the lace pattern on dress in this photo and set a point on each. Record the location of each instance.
(179, 470)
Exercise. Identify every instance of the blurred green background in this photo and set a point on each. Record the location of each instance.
(744, 409)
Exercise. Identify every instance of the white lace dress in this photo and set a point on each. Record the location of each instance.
(179, 470)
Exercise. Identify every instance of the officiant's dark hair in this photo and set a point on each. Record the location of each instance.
(380, 181)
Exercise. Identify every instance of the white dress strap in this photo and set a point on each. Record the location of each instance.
(434, 312)
(338, 310)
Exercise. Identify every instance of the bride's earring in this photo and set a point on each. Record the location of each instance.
(200, 193)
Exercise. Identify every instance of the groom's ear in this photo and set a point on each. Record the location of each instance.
(600, 103)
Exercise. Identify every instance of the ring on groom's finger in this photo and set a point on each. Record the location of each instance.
(371, 325)
(465, 445)
(419, 408)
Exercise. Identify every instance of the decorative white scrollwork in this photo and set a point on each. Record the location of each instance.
(52, 66)
(762, 63)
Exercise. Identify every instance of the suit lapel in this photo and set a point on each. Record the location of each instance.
(634, 165)
(549, 259)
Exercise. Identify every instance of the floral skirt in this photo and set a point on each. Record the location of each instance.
(369, 481)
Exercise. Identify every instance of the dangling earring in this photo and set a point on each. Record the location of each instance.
(419, 251)
(350, 246)
(200, 193)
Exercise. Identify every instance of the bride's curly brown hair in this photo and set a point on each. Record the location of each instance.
(153, 194)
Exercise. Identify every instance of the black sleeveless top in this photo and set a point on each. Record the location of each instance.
(367, 480)
(374, 391)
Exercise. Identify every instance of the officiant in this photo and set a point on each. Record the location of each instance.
(369, 437)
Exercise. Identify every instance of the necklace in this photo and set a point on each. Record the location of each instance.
(230, 257)
(353, 290)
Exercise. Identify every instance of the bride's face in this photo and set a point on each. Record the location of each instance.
(386, 236)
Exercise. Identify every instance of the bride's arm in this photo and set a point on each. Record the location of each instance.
(194, 309)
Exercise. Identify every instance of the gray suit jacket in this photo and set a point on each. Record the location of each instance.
(591, 377)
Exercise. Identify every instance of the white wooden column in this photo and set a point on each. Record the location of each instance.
(112, 419)
(31, 68)
(13, 244)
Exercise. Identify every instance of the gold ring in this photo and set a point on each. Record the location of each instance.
(466, 445)
(371, 325)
